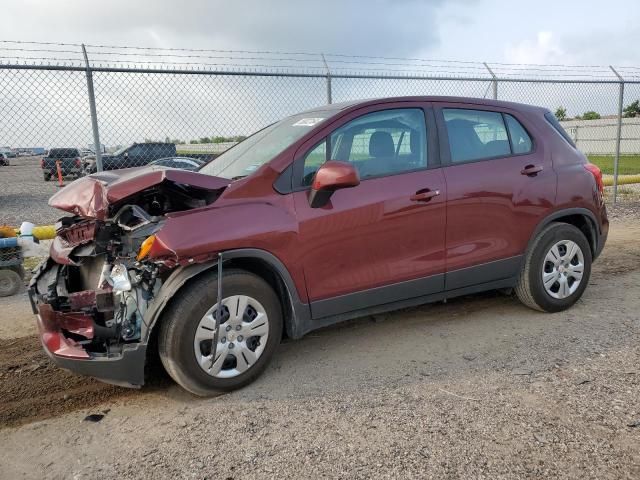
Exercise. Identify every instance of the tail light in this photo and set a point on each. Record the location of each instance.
(77, 161)
(597, 174)
(42, 162)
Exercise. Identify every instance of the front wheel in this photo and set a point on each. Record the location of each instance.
(556, 270)
(248, 332)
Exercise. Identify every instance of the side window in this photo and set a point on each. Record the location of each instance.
(520, 139)
(135, 150)
(380, 143)
(475, 134)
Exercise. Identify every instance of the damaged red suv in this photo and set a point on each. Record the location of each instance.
(331, 214)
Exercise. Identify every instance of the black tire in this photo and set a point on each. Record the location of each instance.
(530, 289)
(47, 177)
(10, 283)
(180, 321)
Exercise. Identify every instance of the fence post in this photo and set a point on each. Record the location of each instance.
(494, 82)
(92, 109)
(618, 135)
(326, 66)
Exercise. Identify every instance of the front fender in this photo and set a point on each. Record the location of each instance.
(296, 326)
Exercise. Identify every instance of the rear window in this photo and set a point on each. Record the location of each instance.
(551, 118)
(64, 152)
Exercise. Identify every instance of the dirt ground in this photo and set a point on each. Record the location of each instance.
(478, 387)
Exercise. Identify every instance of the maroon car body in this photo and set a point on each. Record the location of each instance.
(370, 244)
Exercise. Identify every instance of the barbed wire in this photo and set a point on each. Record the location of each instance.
(291, 61)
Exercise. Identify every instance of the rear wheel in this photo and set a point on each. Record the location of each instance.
(248, 332)
(10, 282)
(47, 177)
(556, 270)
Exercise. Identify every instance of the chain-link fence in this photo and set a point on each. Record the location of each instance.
(117, 107)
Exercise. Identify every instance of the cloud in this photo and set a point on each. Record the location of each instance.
(375, 27)
(544, 50)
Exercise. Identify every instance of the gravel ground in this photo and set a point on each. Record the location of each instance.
(479, 387)
(24, 193)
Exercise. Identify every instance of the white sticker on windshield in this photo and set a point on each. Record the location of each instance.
(307, 122)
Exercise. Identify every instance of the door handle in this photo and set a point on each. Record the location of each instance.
(424, 195)
(531, 170)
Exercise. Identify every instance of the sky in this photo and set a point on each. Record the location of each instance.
(586, 32)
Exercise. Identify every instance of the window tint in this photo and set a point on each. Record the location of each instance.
(135, 150)
(64, 152)
(520, 139)
(475, 134)
(379, 143)
(551, 118)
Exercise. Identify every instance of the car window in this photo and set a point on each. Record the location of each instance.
(135, 150)
(64, 152)
(551, 118)
(520, 139)
(475, 134)
(379, 143)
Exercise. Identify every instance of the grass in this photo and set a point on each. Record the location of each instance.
(629, 164)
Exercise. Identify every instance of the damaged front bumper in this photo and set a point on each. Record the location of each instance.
(66, 335)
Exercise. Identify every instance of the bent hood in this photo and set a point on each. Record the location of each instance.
(91, 196)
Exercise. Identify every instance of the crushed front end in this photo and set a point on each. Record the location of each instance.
(93, 293)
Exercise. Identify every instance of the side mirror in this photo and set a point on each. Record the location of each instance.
(331, 176)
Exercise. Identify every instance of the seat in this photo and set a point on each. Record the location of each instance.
(381, 154)
(381, 145)
(463, 140)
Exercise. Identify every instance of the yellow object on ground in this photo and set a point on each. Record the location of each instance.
(6, 231)
(44, 232)
(622, 180)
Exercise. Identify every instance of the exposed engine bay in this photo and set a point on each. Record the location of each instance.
(94, 291)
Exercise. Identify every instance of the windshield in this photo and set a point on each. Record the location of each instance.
(249, 155)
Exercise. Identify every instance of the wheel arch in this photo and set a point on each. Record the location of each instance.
(260, 263)
(581, 218)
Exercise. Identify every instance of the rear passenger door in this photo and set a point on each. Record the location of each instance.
(500, 181)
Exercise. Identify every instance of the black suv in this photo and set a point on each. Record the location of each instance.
(135, 155)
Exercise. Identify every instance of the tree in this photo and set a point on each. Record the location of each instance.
(590, 115)
(632, 110)
(561, 113)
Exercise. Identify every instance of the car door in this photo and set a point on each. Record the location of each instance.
(500, 181)
(383, 240)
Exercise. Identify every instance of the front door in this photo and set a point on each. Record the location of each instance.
(383, 240)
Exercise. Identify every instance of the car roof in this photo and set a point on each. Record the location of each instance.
(353, 104)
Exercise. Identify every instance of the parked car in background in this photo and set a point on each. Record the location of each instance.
(343, 211)
(135, 155)
(69, 159)
(184, 163)
(4, 160)
(86, 152)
